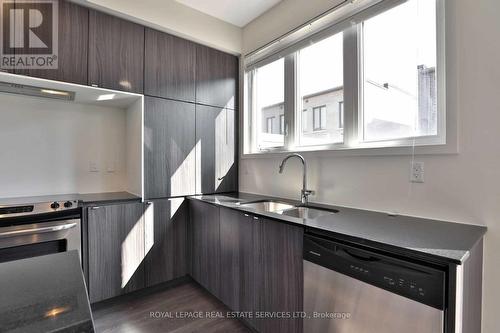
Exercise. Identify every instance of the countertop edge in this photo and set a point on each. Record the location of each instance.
(422, 255)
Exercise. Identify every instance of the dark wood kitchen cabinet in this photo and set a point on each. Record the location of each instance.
(166, 240)
(216, 132)
(205, 245)
(261, 268)
(170, 66)
(237, 260)
(216, 78)
(73, 29)
(169, 148)
(116, 250)
(116, 53)
(279, 280)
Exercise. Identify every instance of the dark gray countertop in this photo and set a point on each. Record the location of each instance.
(84, 199)
(424, 238)
(44, 294)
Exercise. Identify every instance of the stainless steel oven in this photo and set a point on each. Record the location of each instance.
(30, 230)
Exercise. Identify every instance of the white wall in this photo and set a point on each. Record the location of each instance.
(280, 19)
(464, 187)
(46, 147)
(176, 18)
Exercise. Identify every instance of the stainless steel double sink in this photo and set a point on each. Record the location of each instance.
(282, 208)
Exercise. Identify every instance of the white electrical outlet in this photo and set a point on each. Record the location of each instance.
(93, 167)
(417, 172)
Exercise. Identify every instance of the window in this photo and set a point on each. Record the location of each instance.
(400, 73)
(269, 102)
(341, 115)
(370, 79)
(319, 118)
(320, 83)
(282, 124)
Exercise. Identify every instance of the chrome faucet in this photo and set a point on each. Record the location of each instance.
(304, 193)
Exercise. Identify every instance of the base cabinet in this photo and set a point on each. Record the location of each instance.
(135, 245)
(166, 240)
(116, 250)
(258, 265)
(279, 277)
(205, 245)
(237, 261)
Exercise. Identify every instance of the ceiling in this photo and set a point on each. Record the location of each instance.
(237, 12)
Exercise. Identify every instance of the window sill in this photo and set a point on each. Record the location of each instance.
(340, 151)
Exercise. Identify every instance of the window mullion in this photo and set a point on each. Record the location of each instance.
(352, 93)
(290, 101)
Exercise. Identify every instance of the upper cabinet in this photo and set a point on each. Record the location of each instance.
(116, 53)
(72, 38)
(170, 67)
(216, 150)
(169, 148)
(216, 78)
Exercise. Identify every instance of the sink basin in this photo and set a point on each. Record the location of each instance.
(306, 212)
(267, 205)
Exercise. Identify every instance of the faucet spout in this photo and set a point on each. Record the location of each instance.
(304, 194)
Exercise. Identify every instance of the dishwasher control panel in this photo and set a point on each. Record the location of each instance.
(424, 284)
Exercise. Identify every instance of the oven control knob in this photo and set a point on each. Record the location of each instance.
(68, 204)
(54, 205)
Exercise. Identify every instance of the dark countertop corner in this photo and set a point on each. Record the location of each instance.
(108, 197)
(44, 294)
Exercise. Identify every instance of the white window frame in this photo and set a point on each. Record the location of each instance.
(340, 107)
(445, 142)
(304, 115)
(282, 124)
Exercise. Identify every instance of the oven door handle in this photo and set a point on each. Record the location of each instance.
(34, 231)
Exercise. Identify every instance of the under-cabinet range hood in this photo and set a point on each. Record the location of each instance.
(21, 89)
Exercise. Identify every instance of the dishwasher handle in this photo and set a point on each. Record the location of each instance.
(327, 249)
(329, 252)
(346, 253)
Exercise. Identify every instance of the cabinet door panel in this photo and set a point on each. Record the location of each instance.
(73, 32)
(116, 53)
(216, 78)
(169, 148)
(216, 144)
(166, 240)
(279, 280)
(205, 250)
(170, 66)
(237, 259)
(116, 250)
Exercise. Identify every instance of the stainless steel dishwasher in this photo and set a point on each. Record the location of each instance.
(353, 290)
